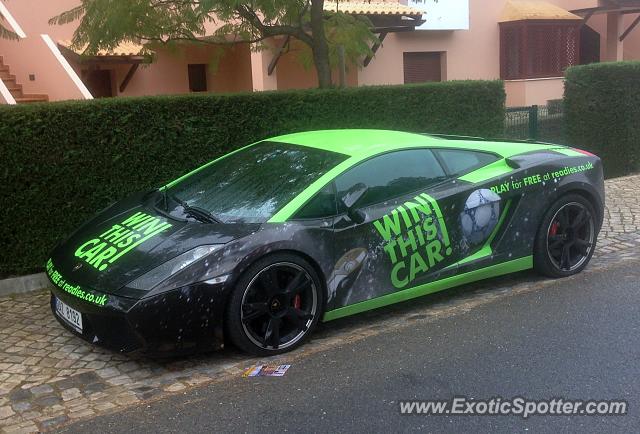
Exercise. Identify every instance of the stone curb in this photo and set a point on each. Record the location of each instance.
(22, 284)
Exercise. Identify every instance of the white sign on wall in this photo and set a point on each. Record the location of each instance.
(443, 14)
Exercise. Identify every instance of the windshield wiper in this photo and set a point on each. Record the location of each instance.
(196, 212)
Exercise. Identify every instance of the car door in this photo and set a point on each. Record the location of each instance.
(396, 239)
(471, 214)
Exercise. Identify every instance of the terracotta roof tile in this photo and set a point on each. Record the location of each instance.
(123, 49)
(534, 10)
(371, 8)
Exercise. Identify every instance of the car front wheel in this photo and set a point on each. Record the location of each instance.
(275, 305)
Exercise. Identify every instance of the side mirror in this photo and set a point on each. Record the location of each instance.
(351, 199)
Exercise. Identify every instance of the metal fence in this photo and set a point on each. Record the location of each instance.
(543, 123)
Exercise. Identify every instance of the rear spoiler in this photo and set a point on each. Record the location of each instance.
(482, 139)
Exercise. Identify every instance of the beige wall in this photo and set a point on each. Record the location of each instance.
(470, 54)
(291, 74)
(33, 16)
(631, 44)
(534, 91)
(31, 56)
(168, 74)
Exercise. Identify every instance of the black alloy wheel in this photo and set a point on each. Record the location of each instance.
(279, 306)
(570, 236)
(567, 237)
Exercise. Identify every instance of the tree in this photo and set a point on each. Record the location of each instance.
(106, 23)
(5, 33)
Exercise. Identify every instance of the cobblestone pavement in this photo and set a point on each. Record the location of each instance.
(622, 213)
(49, 378)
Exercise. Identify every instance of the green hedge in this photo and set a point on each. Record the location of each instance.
(64, 161)
(602, 109)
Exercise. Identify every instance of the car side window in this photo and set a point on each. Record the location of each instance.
(391, 175)
(458, 162)
(323, 204)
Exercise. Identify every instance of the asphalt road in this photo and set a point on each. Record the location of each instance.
(578, 339)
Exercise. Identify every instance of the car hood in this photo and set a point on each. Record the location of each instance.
(130, 238)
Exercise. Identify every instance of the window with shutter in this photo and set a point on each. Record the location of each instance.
(538, 48)
(422, 66)
(197, 77)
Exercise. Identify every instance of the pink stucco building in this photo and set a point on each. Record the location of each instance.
(526, 43)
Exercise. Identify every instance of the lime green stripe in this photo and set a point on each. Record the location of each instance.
(290, 208)
(520, 264)
(500, 221)
(482, 253)
(486, 249)
(493, 170)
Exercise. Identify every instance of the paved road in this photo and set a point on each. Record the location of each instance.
(576, 338)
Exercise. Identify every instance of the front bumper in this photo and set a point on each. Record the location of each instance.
(183, 320)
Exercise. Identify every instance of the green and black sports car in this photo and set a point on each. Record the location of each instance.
(259, 245)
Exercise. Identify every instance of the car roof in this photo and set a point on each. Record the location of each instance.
(363, 143)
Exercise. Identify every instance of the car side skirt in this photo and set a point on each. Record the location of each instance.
(512, 266)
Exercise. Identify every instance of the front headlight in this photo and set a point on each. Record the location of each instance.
(152, 278)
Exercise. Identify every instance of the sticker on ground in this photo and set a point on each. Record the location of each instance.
(266, 371)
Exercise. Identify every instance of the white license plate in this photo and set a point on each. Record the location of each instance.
(69, 314)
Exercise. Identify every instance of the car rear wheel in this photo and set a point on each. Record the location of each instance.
(275, 306)
(566, 238)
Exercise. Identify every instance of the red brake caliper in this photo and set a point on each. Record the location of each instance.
(296, 301)
(553, 229)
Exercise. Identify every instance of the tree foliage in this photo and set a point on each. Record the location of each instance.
(106, 23)
(5, 33)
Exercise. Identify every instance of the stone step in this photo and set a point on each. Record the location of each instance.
(10, 82)
(6, 75)
(29, 98)
(16, 91)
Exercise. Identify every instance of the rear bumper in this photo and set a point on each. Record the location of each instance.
(183, 320)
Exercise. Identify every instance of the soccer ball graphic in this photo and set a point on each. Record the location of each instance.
(480, 215)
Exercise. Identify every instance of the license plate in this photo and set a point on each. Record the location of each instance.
(69, 314)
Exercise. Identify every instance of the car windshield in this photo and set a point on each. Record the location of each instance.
(251, 185)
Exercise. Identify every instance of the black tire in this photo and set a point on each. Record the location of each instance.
(275, 305)
(566, 238)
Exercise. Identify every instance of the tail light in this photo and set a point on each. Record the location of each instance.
(582, 151)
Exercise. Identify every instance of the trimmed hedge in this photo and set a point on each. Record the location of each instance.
(602, 109)
(61, 162)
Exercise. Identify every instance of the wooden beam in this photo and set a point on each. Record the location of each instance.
(109, 59)
(69, 54)
(587, 16)
(630, 28)
(606, 9)
(276, 57)
(374, 49)
(129, 76)
(113, 60)
(395, 29)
